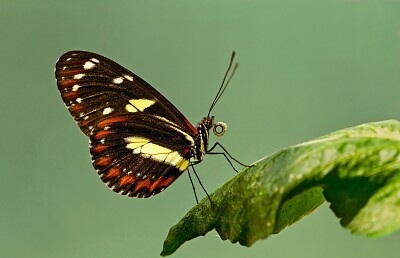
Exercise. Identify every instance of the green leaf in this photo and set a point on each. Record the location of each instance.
(357, 170)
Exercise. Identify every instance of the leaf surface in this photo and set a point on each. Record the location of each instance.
(356, 169)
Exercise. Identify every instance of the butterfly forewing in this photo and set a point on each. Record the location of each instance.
(140, 143)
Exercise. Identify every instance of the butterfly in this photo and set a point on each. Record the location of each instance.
(140, 143)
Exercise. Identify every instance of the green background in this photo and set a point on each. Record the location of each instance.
(306, 68)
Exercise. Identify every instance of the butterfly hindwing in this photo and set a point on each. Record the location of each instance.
(140, 143)
(135, 156)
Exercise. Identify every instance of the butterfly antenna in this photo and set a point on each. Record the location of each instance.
(223, 85)
(227, 82)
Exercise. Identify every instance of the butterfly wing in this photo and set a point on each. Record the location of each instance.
(139, 141)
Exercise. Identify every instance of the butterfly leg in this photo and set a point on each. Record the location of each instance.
(226, 155)
(201, 184)
(194, 189)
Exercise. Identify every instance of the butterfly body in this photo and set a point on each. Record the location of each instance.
(139, 141)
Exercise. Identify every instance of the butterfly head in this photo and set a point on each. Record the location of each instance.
(219, 128)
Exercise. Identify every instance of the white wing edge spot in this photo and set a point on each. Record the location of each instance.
(118, 80)
(75, 87)
(88, 65)
(79, 76)
(107, 110)
(128, 77)
(94, 60)
(69, 58)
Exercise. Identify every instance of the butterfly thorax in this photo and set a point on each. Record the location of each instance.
(201, 141)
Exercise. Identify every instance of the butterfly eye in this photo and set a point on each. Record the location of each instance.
(220, 128)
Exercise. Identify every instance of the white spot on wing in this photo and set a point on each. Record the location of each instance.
(75, 87)
(79, 100)
(79, 76)
(118, 80)
(88, 65)
(107, 110)
(69, 58)
(94, 60)
(128, 77)
(86, 118)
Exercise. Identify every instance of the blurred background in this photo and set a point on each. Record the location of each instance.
(307, 68)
